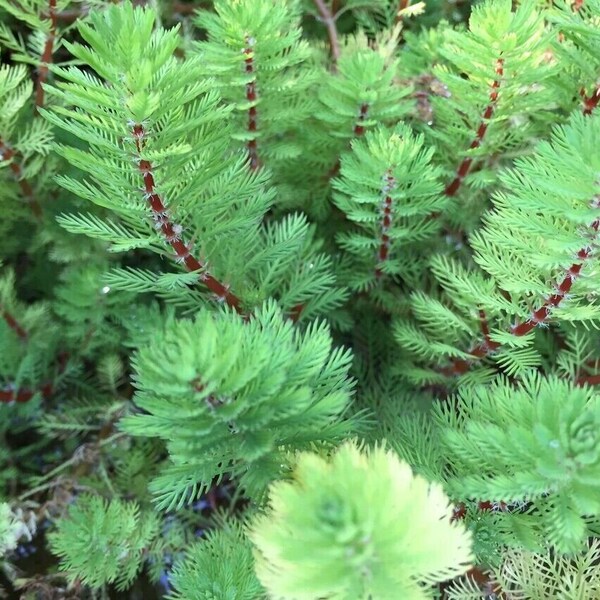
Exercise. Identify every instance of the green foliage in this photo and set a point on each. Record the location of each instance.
(103, 542)
(237, 234)
(534, 445)
(577, 48)
(535, 251)
(236, 397)
(220, 567)
(389, 189)
(391, 528)
(10, 530)
(496, 96)
(255, 54)
(165, 194)
(529, 576)
(27, 345)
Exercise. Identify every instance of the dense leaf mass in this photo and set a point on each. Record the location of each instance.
(299, 299)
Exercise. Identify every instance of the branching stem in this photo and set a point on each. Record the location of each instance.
(402, 5)
(172, 231)
(465, 165)
(540, 316)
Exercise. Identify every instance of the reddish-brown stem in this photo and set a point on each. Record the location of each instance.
(172, 231)
(9, 394)
(465, 165)
(386, 223)
(403, 4)
(12, 322)
(329, 21)
(296, 312)
(46, 58)
(542, 314)
(485, 328)
(588, 380)
(590, 102)
(7, 153)
(251, 96)
(359, 128)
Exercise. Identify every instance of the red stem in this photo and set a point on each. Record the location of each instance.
(8, 394)
(590, 102)
(539, 316)
(12, 322)
(359, 128)
(401, 6)
(46, 58)
(329, 21)
(296, 312)
(8, 154)
(386, 222)
(251, 96)
(172, 231)
(588, 380)
(465, 165)
(485, 329)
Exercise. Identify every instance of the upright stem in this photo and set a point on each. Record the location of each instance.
(465, 165)
(172, 231)
(386, 222)
(359, 130)
(7, 153)
(329, 21)
(251, 96)
(539, 316)
(46, 57)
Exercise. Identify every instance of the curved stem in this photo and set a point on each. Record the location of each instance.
(329, 21)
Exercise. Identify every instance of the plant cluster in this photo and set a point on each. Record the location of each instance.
(299, 299)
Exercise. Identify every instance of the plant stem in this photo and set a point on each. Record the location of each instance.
(539, 316)
(8, 154)
(359, 128)
(71, 461)
(590, 102)
(386, 222)
(12, 322)
(46, 58)
(172, 231)
(401, 6)
(329, 21)
(465, 165)
(9, 394)
(251, 96)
